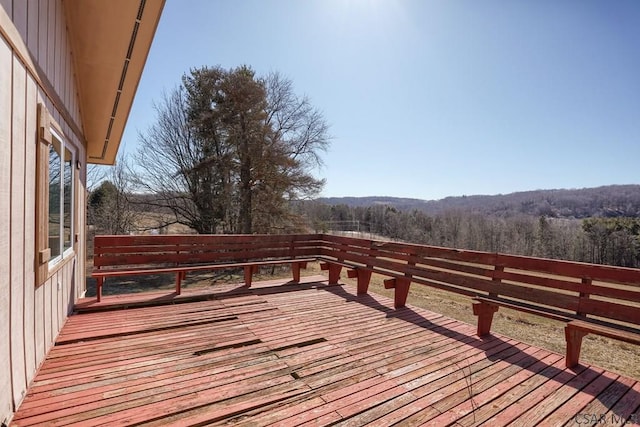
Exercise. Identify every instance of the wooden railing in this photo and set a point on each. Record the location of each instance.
(590, 298)
(116, 256)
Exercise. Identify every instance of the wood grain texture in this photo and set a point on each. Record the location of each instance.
(32, 27)
(43, 33)
(50, 44)
(29, 231)
(309, 354)
(18, 241)
(20, 13)
(40, 43)
(6, 66)
(7, 5)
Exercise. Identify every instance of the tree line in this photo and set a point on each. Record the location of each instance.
(605, 201)
(601, 240)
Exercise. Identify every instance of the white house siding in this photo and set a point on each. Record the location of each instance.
(31, 316)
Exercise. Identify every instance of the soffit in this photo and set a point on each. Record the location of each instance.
(110, 41)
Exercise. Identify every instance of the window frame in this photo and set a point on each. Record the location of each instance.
(63, 251)
(45, 264)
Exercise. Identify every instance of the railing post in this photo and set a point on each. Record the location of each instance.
(495, 278)
(179, 273)
(583, 296)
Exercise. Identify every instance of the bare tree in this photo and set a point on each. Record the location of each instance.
(95, 175)
(110, 206)
(229, 151)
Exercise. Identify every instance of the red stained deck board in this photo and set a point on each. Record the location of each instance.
(628, 407)
(576, 403)
(556, 399)
(457, 382)
(306, 355)
(607, 399)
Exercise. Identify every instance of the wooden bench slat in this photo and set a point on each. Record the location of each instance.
(606, 331)
(527, 308)
(144, 255)
(126, 272)
(611, 310)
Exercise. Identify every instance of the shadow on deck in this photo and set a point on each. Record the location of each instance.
(289, 354)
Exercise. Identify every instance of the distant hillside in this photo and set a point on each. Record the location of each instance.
(607, 201)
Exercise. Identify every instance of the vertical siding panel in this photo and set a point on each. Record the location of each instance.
(64, 59)
(6, 61)
(58, 299)
(47, 313)
(68, 100)
(39, 325)
(39, 293)
(51, 42)
(58, 51)
(32, 27)
(62, 306)
(55, 304)
(7, 6)
(17, 232)
(20, 17)
(43, 26)
(30, 230)
(55, 284)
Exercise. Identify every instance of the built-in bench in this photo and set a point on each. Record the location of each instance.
(589, 298)
(116, 256)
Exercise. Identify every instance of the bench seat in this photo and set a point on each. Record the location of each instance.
(575, 330)
(249, 268)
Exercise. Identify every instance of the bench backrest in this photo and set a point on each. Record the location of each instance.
(120, 252)
(572, 289)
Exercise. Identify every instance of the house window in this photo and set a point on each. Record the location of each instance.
(61, 200)
(56, 175)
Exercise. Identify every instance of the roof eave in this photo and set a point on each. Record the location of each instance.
(110, 42)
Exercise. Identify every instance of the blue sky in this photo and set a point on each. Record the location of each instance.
(432, 98)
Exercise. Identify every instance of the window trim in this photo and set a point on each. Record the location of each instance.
(45, 264)
(64, 252)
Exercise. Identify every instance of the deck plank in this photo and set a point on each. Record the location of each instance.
(308, 354)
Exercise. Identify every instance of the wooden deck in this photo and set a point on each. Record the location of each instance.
(308, 354)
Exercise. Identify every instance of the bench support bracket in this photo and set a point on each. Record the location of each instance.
(485, 317)
(334, 271)
(363, 276)
(180, 276)
(99, 283)
(401, 286)
(295, 270)
(248, 274)
(574, 344)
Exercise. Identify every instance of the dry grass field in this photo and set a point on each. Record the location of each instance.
(613, 355)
